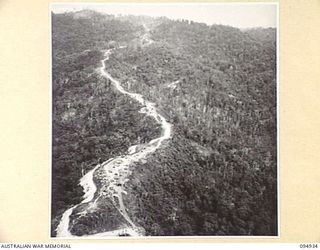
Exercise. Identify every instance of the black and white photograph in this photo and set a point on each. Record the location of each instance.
(164, 120)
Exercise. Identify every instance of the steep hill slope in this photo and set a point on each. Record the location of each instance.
(215, 84)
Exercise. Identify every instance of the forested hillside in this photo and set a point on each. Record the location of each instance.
(215, 84)
(91, 121)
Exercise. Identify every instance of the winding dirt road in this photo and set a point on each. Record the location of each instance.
(116, 170)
